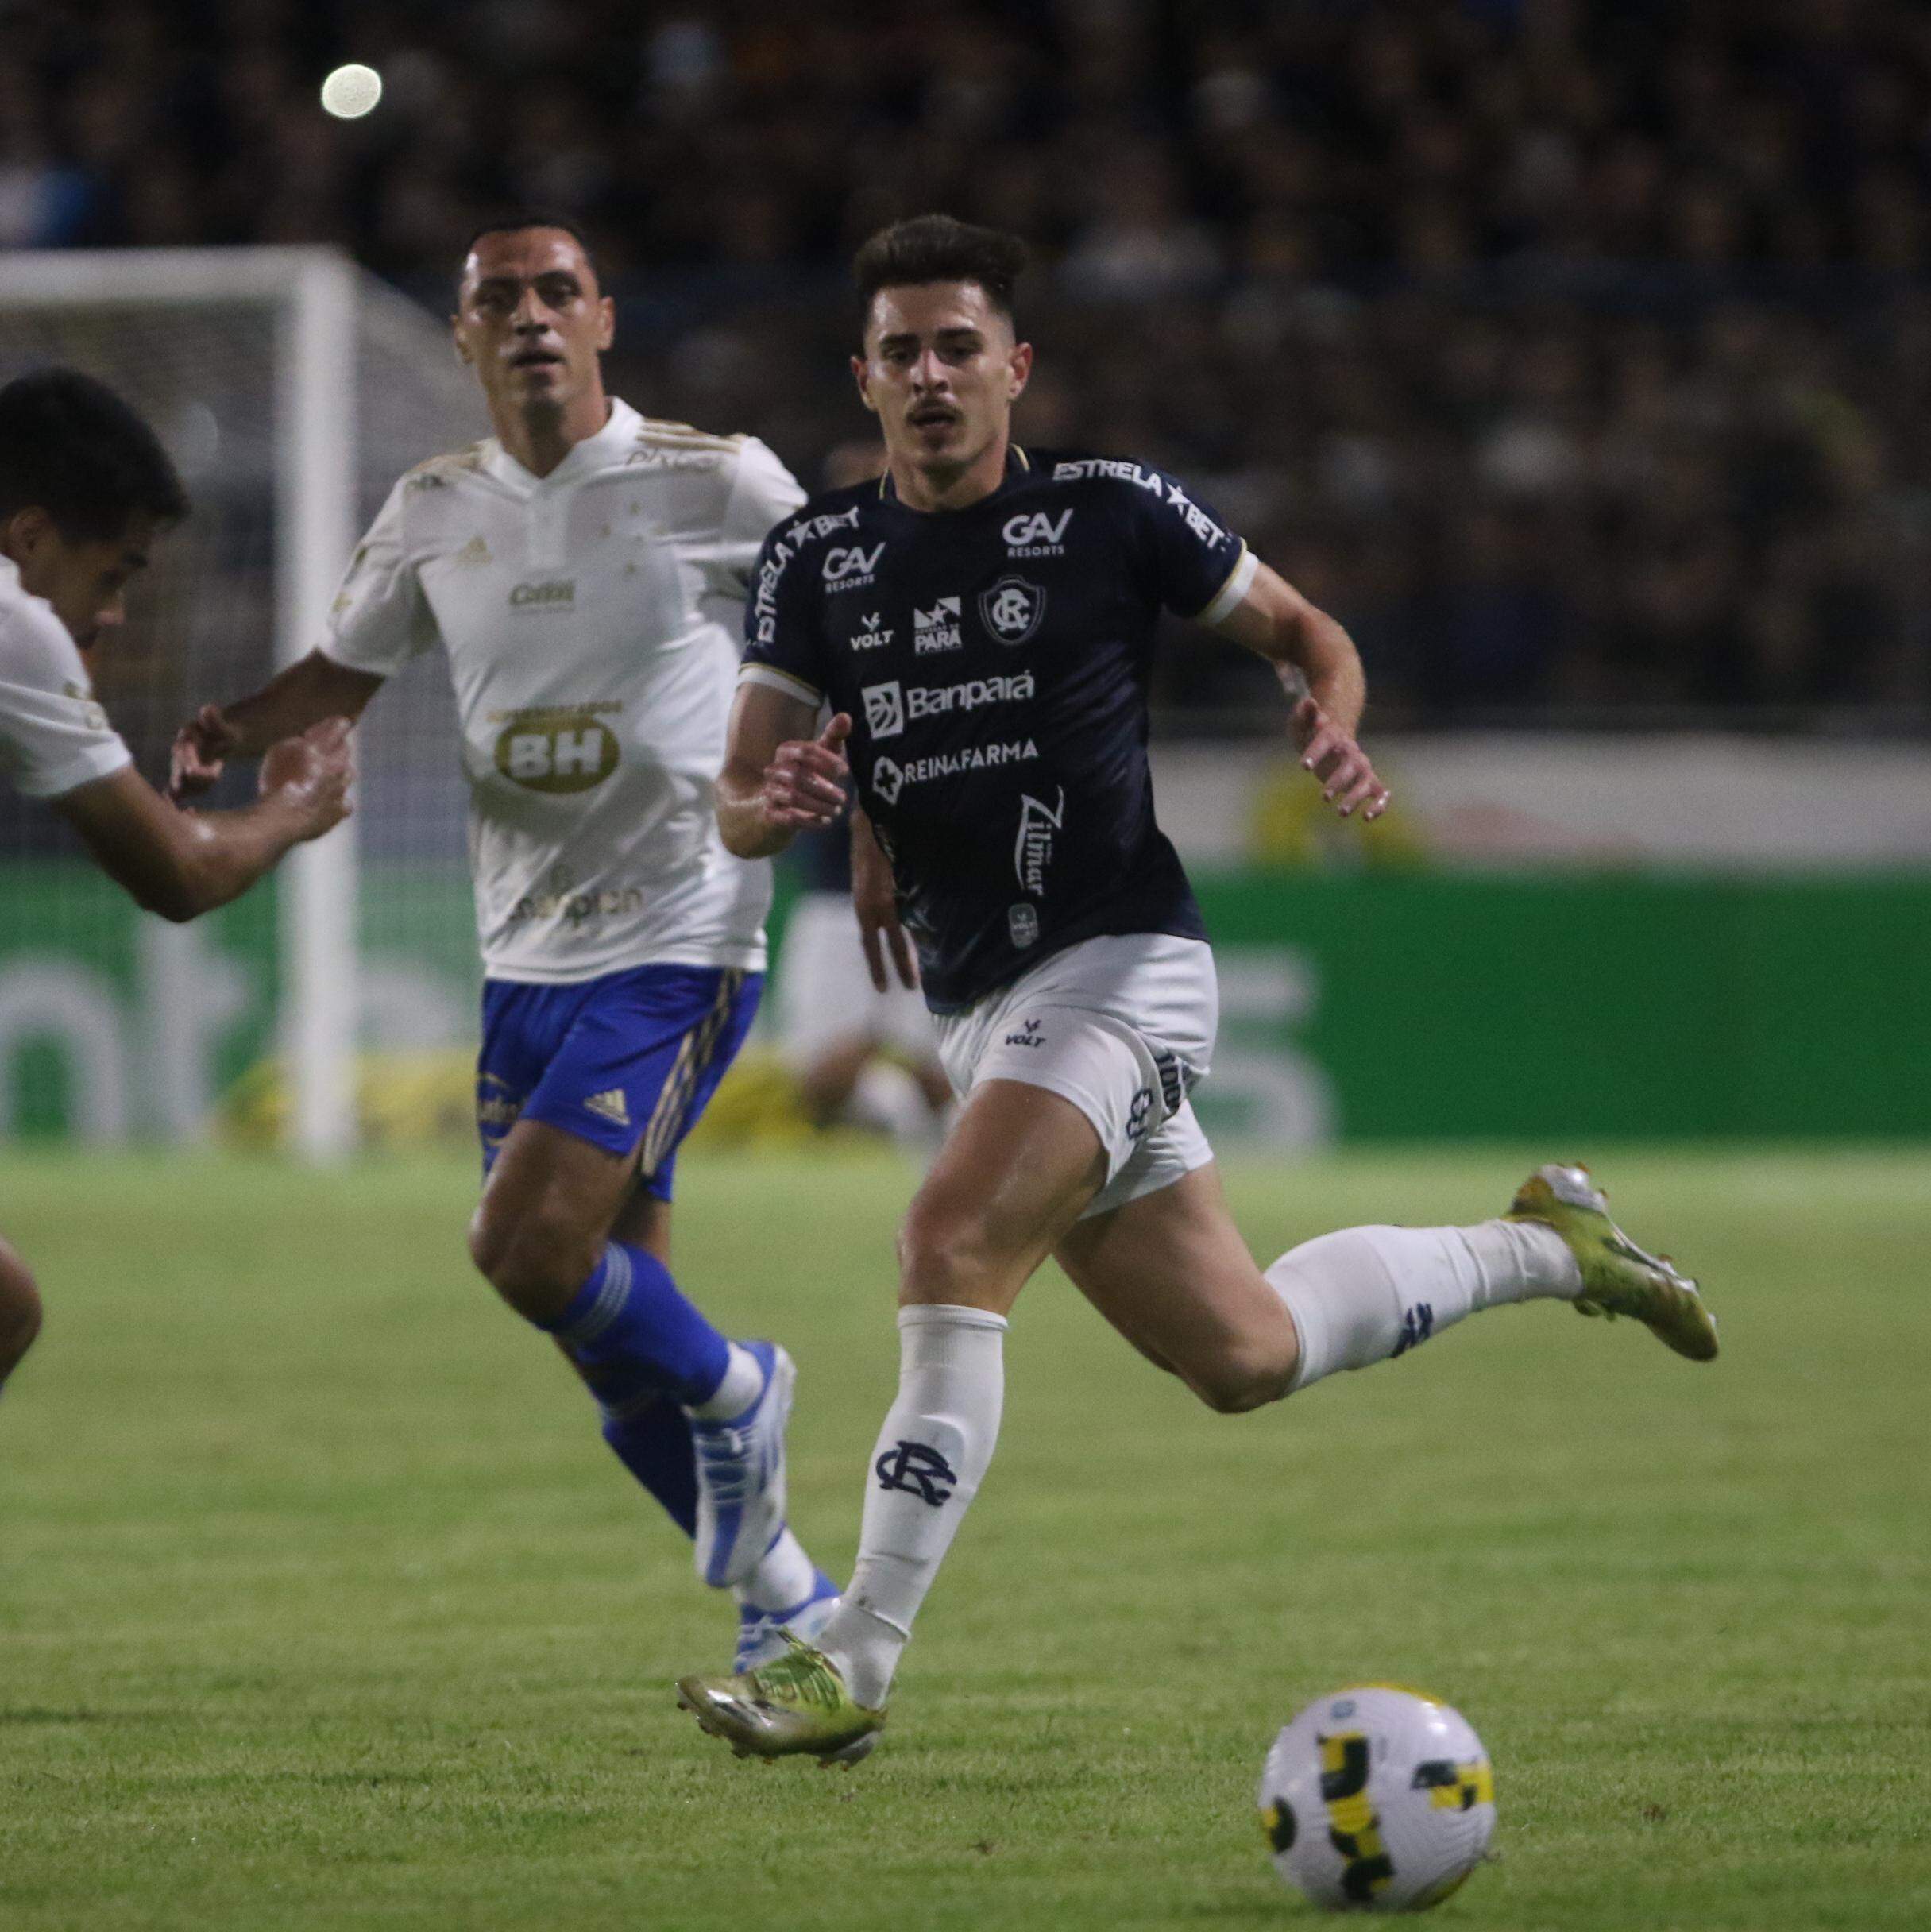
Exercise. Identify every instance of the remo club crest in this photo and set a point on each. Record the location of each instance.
(1012, 608)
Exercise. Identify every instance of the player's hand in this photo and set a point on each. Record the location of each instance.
(1339, 765)
(804, 783)
(311, 773)
(874, 899)
(200, 747)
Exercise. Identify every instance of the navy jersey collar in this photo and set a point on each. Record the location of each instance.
(1018, 463)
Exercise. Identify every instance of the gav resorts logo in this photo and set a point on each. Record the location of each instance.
(1012, 608)
(1037, 534)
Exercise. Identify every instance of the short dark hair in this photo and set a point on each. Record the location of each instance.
(935, 248)
(517, 219)
(71, 446)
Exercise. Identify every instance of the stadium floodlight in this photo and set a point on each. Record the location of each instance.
(293, 389)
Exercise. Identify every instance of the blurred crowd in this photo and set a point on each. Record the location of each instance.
(1578, 352)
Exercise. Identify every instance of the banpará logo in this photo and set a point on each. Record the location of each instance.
(558, 594)
(889, 778)
(847, 566)
(557, 752)
(1037, 534)
(885, 710)
(1012, 608)
(889, 707)
(1033, 848)
(937, 629)
(871, 637)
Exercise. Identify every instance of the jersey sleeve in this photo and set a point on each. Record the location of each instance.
(783, 644)
(763, 493)
(380, 619)
(53, 736)
(1200, 568)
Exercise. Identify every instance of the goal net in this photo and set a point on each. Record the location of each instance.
(291, 390)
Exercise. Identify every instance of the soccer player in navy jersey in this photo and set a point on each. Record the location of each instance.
(979, 624)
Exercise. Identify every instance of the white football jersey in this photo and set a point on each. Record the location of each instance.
(594, 620)
(53, 736)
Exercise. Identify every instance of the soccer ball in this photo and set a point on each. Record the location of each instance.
(1378, 1799)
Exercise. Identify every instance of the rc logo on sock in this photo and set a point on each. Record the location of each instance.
(913, 1466)
(1417, 1325)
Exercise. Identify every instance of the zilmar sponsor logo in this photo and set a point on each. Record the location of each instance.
(1040, 824)
(557, 748)
(889, 778)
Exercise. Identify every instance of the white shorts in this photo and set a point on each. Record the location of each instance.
(825, 994)
(1123, 1027)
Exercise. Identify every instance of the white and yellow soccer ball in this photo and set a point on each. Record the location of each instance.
(1377, 1799)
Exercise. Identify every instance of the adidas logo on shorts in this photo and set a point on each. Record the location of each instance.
(612, 1106)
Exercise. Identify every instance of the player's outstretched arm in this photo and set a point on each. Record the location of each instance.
(778, 779)
(180, 864)
(293, 701)
(1274, 621)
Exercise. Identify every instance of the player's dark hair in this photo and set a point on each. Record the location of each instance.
(515, 220)
(935, 248)
(71, 446)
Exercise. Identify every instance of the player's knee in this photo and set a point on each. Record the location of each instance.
(945, 1256)
(20, 1310)
(535, 1262)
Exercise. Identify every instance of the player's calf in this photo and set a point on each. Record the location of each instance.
(20, 1310)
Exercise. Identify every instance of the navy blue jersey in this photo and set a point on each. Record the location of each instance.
(995, 661)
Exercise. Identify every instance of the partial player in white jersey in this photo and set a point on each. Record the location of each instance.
(586, 571)
(85, 491)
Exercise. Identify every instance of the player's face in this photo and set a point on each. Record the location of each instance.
(941, 371)
(85, 579)
(530, 319)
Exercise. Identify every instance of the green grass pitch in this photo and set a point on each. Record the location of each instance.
(321, 1604)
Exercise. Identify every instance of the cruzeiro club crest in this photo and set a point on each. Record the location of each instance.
(1012, 608)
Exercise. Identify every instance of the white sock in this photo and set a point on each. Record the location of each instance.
(1366, 1293)
(926, 1464)
(743, 1384)
(783, 1577)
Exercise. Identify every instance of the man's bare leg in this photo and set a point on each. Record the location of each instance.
(20, 1310)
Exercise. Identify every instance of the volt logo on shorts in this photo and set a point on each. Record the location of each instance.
(1417, 1325)
(888, 707)
(1033, 848)
(917, 1468)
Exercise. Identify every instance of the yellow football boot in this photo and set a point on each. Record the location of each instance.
(1618, 1278)
(796, 1706)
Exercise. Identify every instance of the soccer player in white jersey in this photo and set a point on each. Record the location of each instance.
(586, 570)
(85, 491)
(990, 674)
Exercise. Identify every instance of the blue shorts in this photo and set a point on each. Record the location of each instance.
(625, 1062)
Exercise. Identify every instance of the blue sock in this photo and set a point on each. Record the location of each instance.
(652, 1441)
(629, 1326)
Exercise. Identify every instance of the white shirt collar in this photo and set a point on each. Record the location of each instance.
(594, 453)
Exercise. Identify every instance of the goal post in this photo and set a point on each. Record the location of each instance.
(256, 366)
